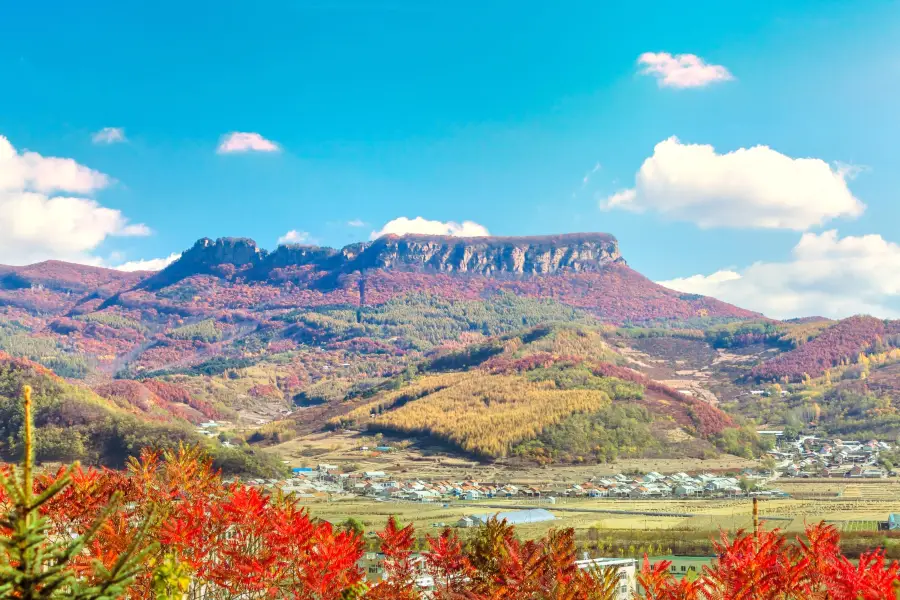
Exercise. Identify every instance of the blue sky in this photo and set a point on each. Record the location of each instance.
(465, 112)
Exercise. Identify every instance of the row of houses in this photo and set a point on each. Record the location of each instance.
(651, 485)
(656, 485)
(327, 479)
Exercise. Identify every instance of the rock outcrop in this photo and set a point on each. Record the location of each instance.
(577, 252)
(539, 255)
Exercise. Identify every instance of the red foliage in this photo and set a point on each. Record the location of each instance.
(842, 341)
(176, 394)
(264, 390)
(616, 293)
(764, 565)
(237, 541)
(150, 394)
(23, 364)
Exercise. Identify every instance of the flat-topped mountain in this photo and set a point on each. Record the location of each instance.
(538, 255)
(216, 277)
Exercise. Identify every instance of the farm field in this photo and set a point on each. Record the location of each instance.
(702, 515)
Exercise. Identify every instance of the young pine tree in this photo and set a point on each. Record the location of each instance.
(35, 566)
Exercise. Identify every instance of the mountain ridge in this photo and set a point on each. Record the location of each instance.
(490, 255)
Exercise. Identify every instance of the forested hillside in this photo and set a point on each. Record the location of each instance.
(549, 393)
(74, 423)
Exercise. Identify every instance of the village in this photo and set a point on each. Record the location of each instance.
(328, 480)
(810, 456)
(805, 457)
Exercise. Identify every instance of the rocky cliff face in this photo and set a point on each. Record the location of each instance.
(574, 253)
(224, 256)
(490, 255)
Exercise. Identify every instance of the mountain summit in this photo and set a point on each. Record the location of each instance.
(536, 255)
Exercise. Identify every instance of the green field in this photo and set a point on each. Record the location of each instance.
(851, 526)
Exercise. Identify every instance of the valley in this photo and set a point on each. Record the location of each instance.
(541, 358)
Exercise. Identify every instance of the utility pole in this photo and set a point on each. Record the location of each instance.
(756, 516)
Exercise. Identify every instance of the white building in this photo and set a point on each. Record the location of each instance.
(626, 573)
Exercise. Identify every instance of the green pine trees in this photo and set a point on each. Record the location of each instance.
(35, 565)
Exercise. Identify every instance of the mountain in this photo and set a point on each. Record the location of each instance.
(224, 296)
(288, 340)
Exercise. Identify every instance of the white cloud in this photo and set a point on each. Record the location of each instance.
(32, 172)
(237, 141)
(151, 264)
(681, 70)
(404, 225)
(826, 275)
(356, 223)
(750, 187)
(294, 237)
(38, 225)
(109, 135)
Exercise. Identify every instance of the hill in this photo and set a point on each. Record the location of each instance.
(550, 393)
(75, 423)
(839, 343)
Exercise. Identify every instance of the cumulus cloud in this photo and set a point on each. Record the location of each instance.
(681, 70)
(356, 223)
(294, 237)
(33, 172)
(826, 275)
(750, 187)
(404, 225)
(42, 213)
(237, 141)
(109, 135)
(151, 264)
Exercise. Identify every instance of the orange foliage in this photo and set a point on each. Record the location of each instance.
(238, 541)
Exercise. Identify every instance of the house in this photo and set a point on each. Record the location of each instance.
(472, 495)
(688, 490)
(873, 473)
(467, 522)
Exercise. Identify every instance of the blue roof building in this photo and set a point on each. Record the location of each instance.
(894, 521)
